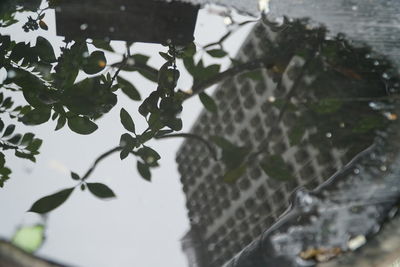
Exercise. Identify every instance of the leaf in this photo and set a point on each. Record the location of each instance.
(149, 155)
(27, 139)
(166, 56)
(35, 145)
(139, 58)
(95, 63)
(75, 176)
(208, 102)
(102, 44)
(29, 238)
(276, 168)
(36, 116)
(51, 202)
(144, 171)
(45, 51)
(189, 50)
(125, 152)
(81, 125)
(127, 121)
(129, 89)
(60, 122)
(127, 140)
(15, 139)
(1, 125)
(218, 53)
(43, 25)
(9, 130)
(100, 190)
(233, 175)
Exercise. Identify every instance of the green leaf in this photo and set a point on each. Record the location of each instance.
(24, 155)
(102, 44)
(276, 168)
(144, 171)
(100, 190)
(9, 130)
(129, 89)
(43, 25)
(75, 176)
(139, 58)
(218, 53)
(127, 121)
(233, 175)
(45, 51)
(51, 202)
(27, 139)
(95, 63)
(208, 102)
(35, 145)
(127, 140)
(166, 56)
(1, 125)
(81, 125)
(29, 238)
(296, 134)
(149, 155)
(36, 116)
(60, 122)
(189, 50)
(125, 152)
(15, 139)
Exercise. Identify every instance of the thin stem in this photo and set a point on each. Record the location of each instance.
(229, 73)
(193, 136)
(99, 159)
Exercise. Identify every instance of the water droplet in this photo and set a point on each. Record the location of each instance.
(84, 26)
(85, 54)
(271, 99)
(356, 242)
(122, 8)
(367, 56)
(385, 76)
(390, 116)
(58, 9)
(383, 168)
(328, 135)
(228, 21)
(11, 74)
(342, 125)
(376, 63)
(130, 62)
(354, 8)
(111, 29)
(356, 171)
(150, 160)
(263, 5)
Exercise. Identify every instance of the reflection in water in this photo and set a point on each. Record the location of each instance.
(295, 109)
(321, 105)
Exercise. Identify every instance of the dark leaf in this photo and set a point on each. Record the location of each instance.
(218, 53)
(45, 50)
(9, 130)
(81, 125)
(125, 152)
(233, 175)
(139, 58)
(127, 121)
(149, 155)
(100, 190)
(1, 125)
(75, 176)
(24, 155)
(60, 122)
(127, 140)
(276, 168)
(15, 139)
(144, 171)
(36, 116)
(208, 102)
(83, 187)
(166, 56)
(102, 44)
(34, 145)
(51, 202)
(95, 63)
(43, 25)
(128, 89)
(27, 139)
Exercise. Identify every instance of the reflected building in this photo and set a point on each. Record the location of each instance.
(311, 132)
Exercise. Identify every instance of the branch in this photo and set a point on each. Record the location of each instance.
(193, 136)
(229, 73)
(100, 158)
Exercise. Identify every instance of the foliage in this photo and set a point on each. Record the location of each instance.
(50, 86)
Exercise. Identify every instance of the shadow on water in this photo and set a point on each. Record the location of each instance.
(294, 160)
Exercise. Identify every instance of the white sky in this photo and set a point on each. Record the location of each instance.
(142, 227)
